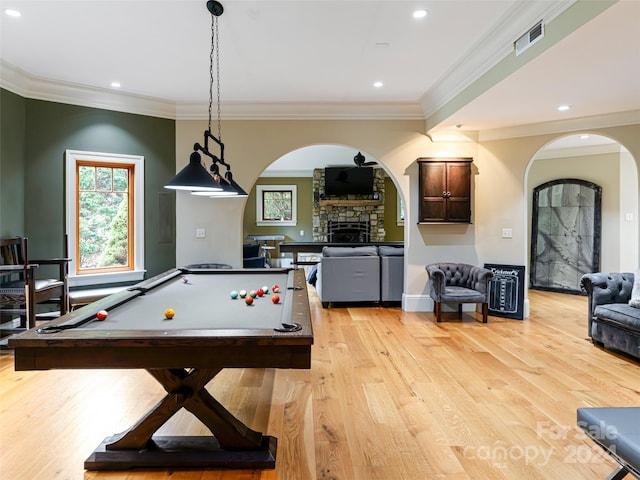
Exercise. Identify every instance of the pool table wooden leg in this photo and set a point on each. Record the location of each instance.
(186, 389)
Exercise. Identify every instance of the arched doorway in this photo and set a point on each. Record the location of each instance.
(304, 170)
(607, 164)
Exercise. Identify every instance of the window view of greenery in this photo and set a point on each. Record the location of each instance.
(103, 217)
(277, 205)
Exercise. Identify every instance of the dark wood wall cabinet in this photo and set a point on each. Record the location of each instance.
(445, 190)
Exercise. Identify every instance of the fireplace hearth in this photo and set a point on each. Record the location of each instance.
(348, 232)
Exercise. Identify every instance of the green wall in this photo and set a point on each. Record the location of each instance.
(52, 128)
(12, 143)
(305, 207)
(393, 232)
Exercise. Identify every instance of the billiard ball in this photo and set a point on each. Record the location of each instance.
(260, 292)
(185, 279)
(248, 300)
(234, 294)
(265, 289)
(275, 298)
(275, 289)
(243, 293)
(102, 314)
(253, 293)
(169, 313)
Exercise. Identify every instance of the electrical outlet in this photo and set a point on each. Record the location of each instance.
(507, 233)
(302, 233)
(200, 233)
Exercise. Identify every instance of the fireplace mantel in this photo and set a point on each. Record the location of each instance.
(349, 203)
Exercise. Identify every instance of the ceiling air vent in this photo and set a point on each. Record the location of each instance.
(529, 38)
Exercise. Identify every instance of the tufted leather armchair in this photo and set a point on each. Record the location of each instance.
(458, 283)
(613, 322)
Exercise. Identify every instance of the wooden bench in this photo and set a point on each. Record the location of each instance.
(617, 431)
(78, 298)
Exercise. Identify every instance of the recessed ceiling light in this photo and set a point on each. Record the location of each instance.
(12, 13)
(564, 108)
(378, 84)
(115, 84)
(419, 14)
(584, 137)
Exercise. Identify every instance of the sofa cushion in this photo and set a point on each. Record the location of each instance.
(388, 251)
(634, 301)
(620, 315)
(367, 251)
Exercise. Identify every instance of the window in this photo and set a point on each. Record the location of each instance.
(276, 205)
(105, 217)
(399, 211)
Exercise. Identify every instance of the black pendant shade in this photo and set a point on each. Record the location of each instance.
(194, 177)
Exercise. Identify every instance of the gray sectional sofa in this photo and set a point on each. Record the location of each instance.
(360, 274)
(613, 322)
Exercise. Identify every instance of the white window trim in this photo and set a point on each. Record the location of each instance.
(137, 274)
(399, 219)
(294, 205)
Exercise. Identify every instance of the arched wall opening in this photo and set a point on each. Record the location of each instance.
(605, 162)
(303, 170)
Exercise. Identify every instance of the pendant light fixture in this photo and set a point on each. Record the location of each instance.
(194, 176)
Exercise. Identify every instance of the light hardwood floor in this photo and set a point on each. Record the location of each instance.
(391, 395)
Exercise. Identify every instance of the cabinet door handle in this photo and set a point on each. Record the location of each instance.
(446, 194)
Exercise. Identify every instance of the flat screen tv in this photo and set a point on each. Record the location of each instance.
(348, 181)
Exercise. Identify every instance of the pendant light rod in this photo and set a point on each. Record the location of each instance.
(199, 148)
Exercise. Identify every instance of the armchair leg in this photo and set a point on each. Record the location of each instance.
(485, 312)
(437, 307)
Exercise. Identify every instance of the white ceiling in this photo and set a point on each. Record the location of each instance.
(320, 58)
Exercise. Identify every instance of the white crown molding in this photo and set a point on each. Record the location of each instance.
(22, 83)
(305, 111)
(551, 153)
(582, 124)
(489, 51)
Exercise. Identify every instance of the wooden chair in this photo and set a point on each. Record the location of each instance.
(21, 291)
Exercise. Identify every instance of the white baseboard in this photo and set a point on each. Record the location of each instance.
(423, 303)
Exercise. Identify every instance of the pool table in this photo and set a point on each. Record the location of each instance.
(209, 332)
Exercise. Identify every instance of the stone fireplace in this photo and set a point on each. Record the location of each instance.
(348, 218)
